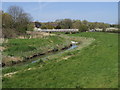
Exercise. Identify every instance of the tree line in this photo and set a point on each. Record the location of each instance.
(73, 24)
(16, 22)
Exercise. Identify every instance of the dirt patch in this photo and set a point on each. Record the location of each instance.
(13, 73)
(8, 60)
(67, 57)
(10, 74)
(38, 34)
(30, 69)
(2, 48)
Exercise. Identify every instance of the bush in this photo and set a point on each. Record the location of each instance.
(9, 33)
(30, 27)
(83, 28)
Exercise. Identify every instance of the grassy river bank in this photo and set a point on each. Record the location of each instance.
(93, 64)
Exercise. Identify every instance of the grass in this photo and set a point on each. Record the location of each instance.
(95, 66)
(19, 47)
(22, 48)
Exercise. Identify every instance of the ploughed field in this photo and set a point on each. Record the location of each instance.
(93, 64)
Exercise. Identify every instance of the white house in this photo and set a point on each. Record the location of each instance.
(111, 29)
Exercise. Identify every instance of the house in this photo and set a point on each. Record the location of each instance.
(112, 29)
(92, 30)
(98, 29)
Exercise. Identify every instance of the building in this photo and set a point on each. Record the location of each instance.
(56, 30)
(112, 29)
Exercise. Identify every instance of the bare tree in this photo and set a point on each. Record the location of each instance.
(20, 18)
(15, 12)
(18, 14)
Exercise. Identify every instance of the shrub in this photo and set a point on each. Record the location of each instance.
(9, 33)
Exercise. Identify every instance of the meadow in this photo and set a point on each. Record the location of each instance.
(94, 64)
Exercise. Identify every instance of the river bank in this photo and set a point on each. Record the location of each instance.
(78, 44)
(22, 50)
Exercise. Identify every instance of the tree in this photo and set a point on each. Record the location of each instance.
(85, 22)
(43, 26)
(58, 27)
(38, 24)
(83, 28)
(48, 26)
(65, 24)
(92, 25)
(7, 26)
(15, 12)
(76, 24)
(30, 27)
(8, 33)
(7, 20)
(59, 20)
(20, 18)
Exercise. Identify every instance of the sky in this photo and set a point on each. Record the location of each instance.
(106, 12)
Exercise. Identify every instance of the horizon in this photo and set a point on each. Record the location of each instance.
(105, 12)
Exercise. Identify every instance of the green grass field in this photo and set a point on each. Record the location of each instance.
(21, 47)
(94, 66)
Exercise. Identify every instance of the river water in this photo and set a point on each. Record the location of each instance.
(55, 53)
